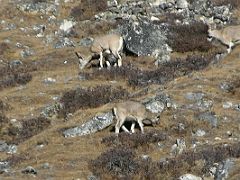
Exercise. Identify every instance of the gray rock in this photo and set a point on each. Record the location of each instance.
(181, 4)
(143, 38)
(27, 52)
(155, 106)
(46, 166)
(200, 133)
(4, 166)
(92, 177)
(41, 7)
(67, 27)
(29, 170)
(178, 147)
(51, 111)
(14, 63)
(236, 107)
(202, 105)
(95, 124)
(209, 117)
(86, 42)
(194, 96)
(226, 86)
(227, 105)
(189, 177)
(223, 168)
(64, 42)
(49, 80)
(222, 13)
(4, 147)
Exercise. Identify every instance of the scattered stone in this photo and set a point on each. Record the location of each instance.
(178, 148)
(27, 52)
(29, 170)
(202, 105)
(86, 41)
(51, 111)
(226, 86)
(155, 106)
(46, 166)
(194, 96)
(15, 63)
(221, 169)
(4, 147)
(4, 166)
(189, 177)
(64, 42)
(40, 7)
(49, 80)
(209, 117)
(95, 124)
(200, 133)
(92, 177)
(227, 105)
(181, 4)
(67, 26)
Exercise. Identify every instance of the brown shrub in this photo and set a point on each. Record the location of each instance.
(112, 161)
(134, 140)
(87, 9)
(119, 162)
(11, 75)
(3, 47)
(234, 3)
(90, 98)
(161, 75)
(30, 127)
(185, 38)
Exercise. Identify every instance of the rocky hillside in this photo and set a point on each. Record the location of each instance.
(56, 120)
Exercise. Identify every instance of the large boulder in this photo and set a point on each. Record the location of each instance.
(144, 37)
(95, 124)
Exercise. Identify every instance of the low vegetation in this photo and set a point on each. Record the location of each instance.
(87, 9)
(90, 98)
(192, 37)
(161, 75)
(121, 162)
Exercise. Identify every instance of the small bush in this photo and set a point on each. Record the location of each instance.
(89, 98)
(121, 162)
(185, 38)
(118, 162)
(161, 75)
(30, 127)
(234, 3)
(87, 9)
(134, 140)
(3, 48)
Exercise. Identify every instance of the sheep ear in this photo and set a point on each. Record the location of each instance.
(147, 122)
